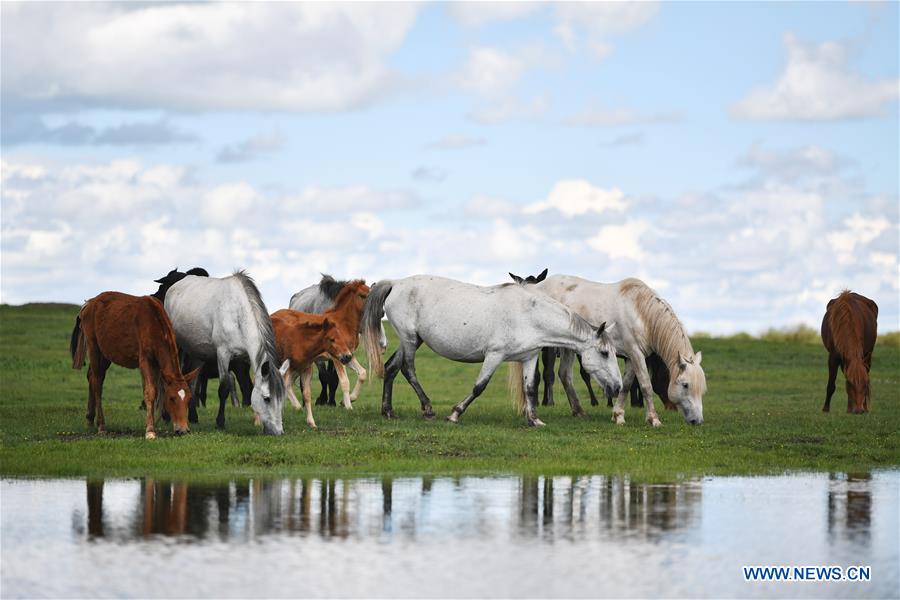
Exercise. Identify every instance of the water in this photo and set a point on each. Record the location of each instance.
(445, 537)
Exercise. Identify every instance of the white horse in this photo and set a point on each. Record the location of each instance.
(316, 299)
(470, 323)
(225, 319)
(645, 323)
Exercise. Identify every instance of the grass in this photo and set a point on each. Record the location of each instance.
(762, 412)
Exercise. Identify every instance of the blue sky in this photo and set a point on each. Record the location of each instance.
(742, 158)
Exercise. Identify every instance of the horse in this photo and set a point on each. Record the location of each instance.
(849, 331)
(659, 374)
(469, 323)
(317, 299)
(303, 337)
(645, 324)
(133, 332)
(209, 370)
(224, 320)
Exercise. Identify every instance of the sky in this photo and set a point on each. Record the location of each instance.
(741, 158)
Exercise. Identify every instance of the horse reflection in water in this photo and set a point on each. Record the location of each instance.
(850, 506)
(570, 507)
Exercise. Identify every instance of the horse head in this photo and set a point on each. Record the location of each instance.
(599, 359)
(338, 340)
(687, 384)
(176, 398)
(267, 397)
(857, 386)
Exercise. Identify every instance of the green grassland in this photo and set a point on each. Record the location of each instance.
(762, 412)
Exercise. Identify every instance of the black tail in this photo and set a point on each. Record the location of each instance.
(76, 345)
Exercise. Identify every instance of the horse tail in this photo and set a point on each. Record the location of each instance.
(514, 384)
(371, 324)
(77, 344)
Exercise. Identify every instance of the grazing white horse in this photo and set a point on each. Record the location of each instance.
(470, 323)
(224, 319)
(645, 323)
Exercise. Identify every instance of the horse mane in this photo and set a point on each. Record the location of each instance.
(665, 333)
(347, 288)
(578, 325)
(267, 350)
(331, 287)
(844, 332)
(167, 333)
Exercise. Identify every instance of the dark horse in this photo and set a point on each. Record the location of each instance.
(133, 332)
(209, 370)
(849, 330)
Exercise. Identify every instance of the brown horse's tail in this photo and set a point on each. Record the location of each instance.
(514, 385)
(77, 345)
(371, 324)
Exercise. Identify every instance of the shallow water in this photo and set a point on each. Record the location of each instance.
(446, 537)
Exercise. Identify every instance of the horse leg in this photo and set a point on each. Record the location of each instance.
(408, 367)
(618, 416)
(96, 375)
(530, 386)
(333, 383)
(242, 374)
(345, 384)
(490, 364)
(566, 362)
(548, 357)
(833, 363)
(223, 361)
(306, 382)
(586, 378)
(289, 378)
(149, 377)
(643, 377)
(322, 370)
(361, 376)
(391, 368)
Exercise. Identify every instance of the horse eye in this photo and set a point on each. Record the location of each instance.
(684, 385)
(267, 399)
(604, 353)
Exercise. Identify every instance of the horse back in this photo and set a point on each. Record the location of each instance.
(298, 335)
(126, 328)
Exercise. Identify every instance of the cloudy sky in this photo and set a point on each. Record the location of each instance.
(740, 158)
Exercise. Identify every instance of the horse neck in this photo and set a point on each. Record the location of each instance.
(345, 311)
(165, 351)
(557, 331)
(845, 331)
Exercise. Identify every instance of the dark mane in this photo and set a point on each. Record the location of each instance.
(330, 287)
(347, 287)
(268, 351)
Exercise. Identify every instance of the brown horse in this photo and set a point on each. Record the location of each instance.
(133, 332)
(849, 330)
(302, 337)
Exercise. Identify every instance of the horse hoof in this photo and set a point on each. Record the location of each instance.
(388, 414)
(536, 423)
(453, 417)
(579, 413)
(428, 414)
(101, 431)
(618, 419)
(654, 422)
(150, 435)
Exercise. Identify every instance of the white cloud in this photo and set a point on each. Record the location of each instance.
(794, 164)
(579, 197)
(621, 241)
(490, 71)
(606, 17)
(476, 14)
(456, 141)
(347, 198)
(204, 56)
(227, 204)
(858, 231)
(508, 243)
(487, 207)
(252, 148)
(817, 84)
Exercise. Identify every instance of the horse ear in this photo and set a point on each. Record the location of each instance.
(541, 277)
(193, 374)
(610, 325)
(516, 278)
(284, 367)
(601, 329)
(698, 357)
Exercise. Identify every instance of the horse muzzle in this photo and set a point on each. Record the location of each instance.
(346, 358)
